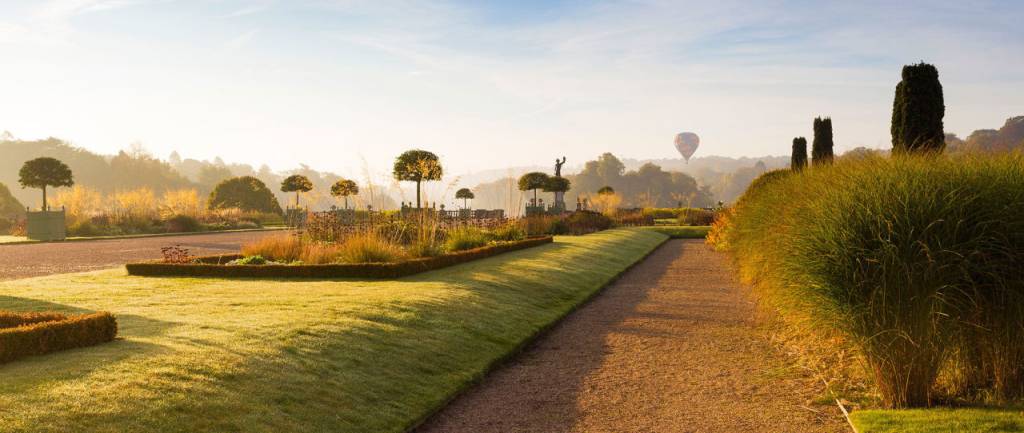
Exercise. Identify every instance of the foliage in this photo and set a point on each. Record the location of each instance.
(464, 193)
(10, 207)
(508, 232)
(606, 190)
(557, 184)
(799, 159)
(296, 183)
(35, 337)
(606, 203)
(917, 111)
(183, 224)
(648, 186)
(633, 218)
(417, 166)
(43, 172)
(344, 188)
(821, 148)
(584, 222)
(532, 181)
(913, 261)
(369, 247)
(696, 217)
(246, 193)
(465, 238)
(250, 261)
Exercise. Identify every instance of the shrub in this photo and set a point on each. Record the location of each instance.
(41, 333)
(917, 111)
(508, 232)
(583, 222)
(249, 260)
(696, 217)
(913, 260)
(247, 193)
(465, 238)
(633, 218)
(279, 248)
(369, 248)
(821, 147)
(182, 224)
(84, 228)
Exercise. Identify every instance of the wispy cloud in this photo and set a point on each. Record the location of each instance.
(251, 9)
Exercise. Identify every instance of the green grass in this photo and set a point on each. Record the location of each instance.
(939, 421)
(681, 232)
(271, 356)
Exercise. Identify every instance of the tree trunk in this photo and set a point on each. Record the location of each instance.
(44, 199)
(346, 202)
(535, 196)
(296, 199)
(464, 205)
(417, 194)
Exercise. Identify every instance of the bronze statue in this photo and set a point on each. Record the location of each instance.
(558, 166)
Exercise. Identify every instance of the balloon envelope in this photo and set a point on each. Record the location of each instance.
(686, 144)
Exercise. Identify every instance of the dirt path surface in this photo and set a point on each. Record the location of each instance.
(670, 347)
(31, 260)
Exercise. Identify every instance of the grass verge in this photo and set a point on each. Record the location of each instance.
(939, 421)
(285, 355)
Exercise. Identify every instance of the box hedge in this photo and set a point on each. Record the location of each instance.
(29, 334)
(214, 266)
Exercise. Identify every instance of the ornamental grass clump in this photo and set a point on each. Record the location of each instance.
(465, 238)
(369, 247)
(914, 261)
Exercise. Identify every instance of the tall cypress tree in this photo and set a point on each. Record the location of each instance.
(799, 159)
(821, 148)
(917, 111)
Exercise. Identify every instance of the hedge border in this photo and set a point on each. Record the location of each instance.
(210, 266)
(30, 334)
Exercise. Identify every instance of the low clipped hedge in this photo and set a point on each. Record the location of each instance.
(214, 266)
(29, 334)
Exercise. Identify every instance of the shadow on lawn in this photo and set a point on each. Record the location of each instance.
(46, 370)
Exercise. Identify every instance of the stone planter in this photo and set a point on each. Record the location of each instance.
(46, 225)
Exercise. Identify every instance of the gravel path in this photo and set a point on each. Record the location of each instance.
(31, 260)
(670, 347)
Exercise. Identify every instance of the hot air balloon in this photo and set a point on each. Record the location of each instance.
(686, 144)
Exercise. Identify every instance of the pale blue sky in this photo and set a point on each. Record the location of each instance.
(487, 83)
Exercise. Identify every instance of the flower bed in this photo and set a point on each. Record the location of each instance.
(28, 334)
(216, 266)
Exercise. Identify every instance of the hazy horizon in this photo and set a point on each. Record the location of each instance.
(487, 85)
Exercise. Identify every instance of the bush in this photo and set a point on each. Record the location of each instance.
(369, 248)
(182, 224)
(508, 232)
(696, 217)
(583, 222)
(84, 228)
(41, 333)
(465, 238)
(279, 248)
(634, 219)
(249, 260)
(914, 261)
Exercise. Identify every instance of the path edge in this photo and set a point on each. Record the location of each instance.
(528, 341)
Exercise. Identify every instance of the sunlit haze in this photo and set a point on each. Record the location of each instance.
(488, 84)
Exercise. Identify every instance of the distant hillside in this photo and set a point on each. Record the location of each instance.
(1009, 137)
(9, 205)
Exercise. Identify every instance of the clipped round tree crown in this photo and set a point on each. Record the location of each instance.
(557, 184)
(465, 193)
(606, 190)
(296, 182)
(344, 188)
(417, 165)
(43, 172)
(532, 180)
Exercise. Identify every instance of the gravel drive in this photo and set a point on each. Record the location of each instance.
(672, 346)
(31, 260)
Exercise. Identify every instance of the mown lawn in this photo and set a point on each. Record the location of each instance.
(274, 356)
(939, 421)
